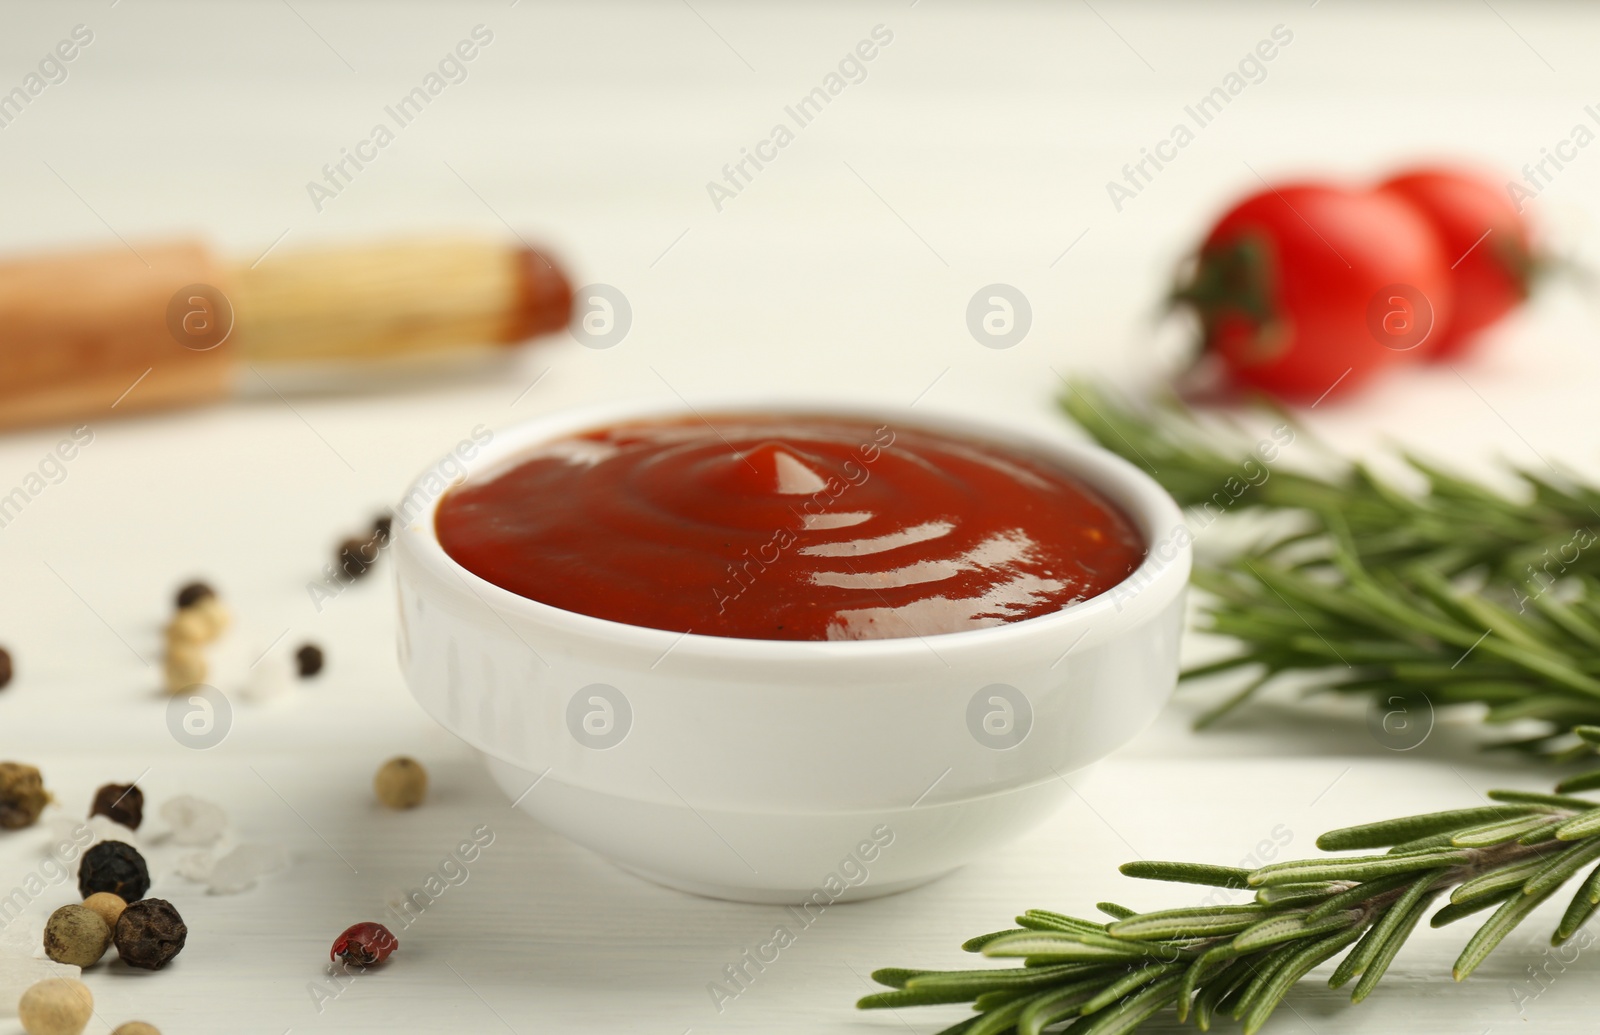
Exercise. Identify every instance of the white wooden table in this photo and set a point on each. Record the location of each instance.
(975, 151)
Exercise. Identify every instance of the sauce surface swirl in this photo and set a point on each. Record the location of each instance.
(789, 528)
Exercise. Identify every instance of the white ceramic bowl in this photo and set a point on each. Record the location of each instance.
(775, 770)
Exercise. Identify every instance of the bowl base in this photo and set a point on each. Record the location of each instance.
(779, 858)
(776, 896)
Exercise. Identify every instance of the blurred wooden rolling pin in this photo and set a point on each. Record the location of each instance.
(172, 323)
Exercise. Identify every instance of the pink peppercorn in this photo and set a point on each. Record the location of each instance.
(363, 945)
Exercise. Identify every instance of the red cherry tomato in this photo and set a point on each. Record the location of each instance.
(1310, 289)
(1486, 244)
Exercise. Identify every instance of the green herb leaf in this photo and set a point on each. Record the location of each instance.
(1394, 831)
(1359, 868)
(1392, 931)
(1190, 922)
(1585, 825)
(1189, 873)
(1511, 913)
(1292, 970)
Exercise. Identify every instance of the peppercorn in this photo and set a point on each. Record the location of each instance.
(184, 666)
(120, 803)
(6, 669)
(364, 944)
(357, 556)
(193, 593)
(150, 933)
(382, 529)
(135, 1028)
(201, 620)
(188, 626)
(22, 795)
(401, 783)
(76, 936)
(115, 867)
(55, 1006)
(308, 659)
(214, 613)
(108, 905)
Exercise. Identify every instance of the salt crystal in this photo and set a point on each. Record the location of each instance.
(195, 866)
(241, 868)
(19, 973)
(19, 937)
(271, 678)
(194, 822)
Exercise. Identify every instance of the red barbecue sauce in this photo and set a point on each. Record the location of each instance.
(789, 528)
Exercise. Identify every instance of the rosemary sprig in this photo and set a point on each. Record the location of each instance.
(1454, 526)
(1242, 959)
(1457, 593)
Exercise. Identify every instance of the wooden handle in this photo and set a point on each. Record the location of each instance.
(91, 334)
(87, 335)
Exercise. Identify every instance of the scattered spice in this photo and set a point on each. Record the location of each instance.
(309, 660)
(401, 783)
(364, 944)
(6, 669)
(121, 803)
(382, 529)
(200, 619)
(201, 616)
(115, 867)
(56, 1006)
(214, 614)
(184, 666)
(188, 626)
(135, 1028)
(108, 905)
(22, 795)
(77, 936)
(192, 593)
(150, 933)
(357, 556)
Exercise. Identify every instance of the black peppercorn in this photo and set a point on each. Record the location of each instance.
(149, 934)
(382, 528)
(357, 556)
(193, 593)
(5, 667)
(115, 867)
(309, 660)
(120, 803)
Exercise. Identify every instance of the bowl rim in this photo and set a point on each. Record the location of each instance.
(1141, 499)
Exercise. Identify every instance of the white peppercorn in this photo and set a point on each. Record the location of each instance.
(109, 905)
(56, 1006)
(184, 666)
(401, 783)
